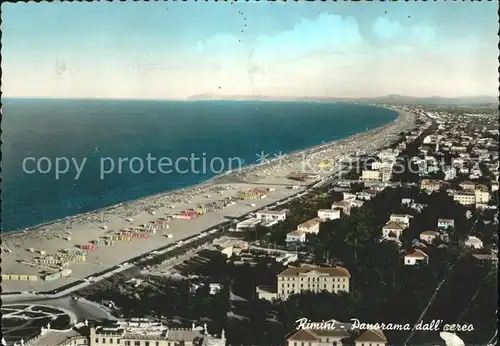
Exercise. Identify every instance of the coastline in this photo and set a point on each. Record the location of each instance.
(218, 179)
(83, 228)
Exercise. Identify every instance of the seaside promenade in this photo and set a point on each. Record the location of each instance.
(50, 239)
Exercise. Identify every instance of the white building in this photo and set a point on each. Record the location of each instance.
(401, 218)
(474, 242)
(371, 175)
(365, 196)
(271, 215)
(296, 237)
(294, 280)
(468, 185)
(414, 256)
(429, 236)
(140, 331)
(344, 206)
(381, 165)
(494, 186)
(482, 194)
(247, 224)
(310, 226)
(357, 203)
(450, 173)
(386, 174)
(465, 197)
(348, 196)
(393, 230)
(329, 214)
(336, 334)
(214, 288)
(227, 251)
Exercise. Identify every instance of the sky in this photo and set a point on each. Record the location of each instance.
(173, 50)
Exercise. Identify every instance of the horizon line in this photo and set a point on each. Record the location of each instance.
(203, 97)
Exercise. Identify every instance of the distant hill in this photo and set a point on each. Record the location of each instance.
(401, 99)
(391, 99)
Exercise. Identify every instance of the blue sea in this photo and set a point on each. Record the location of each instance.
(219, 133)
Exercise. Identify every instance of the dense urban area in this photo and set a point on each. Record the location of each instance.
(405, 236)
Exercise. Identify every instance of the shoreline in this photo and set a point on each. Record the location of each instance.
(210, 181)
(26, 245)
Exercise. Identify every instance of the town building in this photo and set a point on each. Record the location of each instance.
(429, 236)
(348, 196)
(378, 165)
(310, 226)
(445, 223)
(374, 337)
(144, 332)
(356, 203)
(295, 280)
(247, 224)
(271, 215)
(393, 229)
(450, 173)
(474, 242)
(227, 251)
(414, 256)
(386, 174)
(430, 185)
(345, 206)
(401, 218)
(465, 197)
(482, 194)
(320, 337)
(366, 195)
(329, 214)
(371, 175)
(406, 201)
(296, 237)
(126, 332)
(337, 334)
(494, 186)
(214, 288)
(467, 185)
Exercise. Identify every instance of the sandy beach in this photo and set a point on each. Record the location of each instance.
(84, 228)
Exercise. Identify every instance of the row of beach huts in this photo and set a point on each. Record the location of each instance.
(65, 272)
(56, 264)
(255, 193)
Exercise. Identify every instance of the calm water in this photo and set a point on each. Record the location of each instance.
(99, 129)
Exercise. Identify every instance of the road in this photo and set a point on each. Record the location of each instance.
(84, 309)
(81, 309)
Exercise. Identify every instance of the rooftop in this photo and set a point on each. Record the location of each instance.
(416, 253)
(376, 335)
(394, 225)
(329, 271)
(310, 223)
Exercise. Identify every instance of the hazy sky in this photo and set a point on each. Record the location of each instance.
(164, 50)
